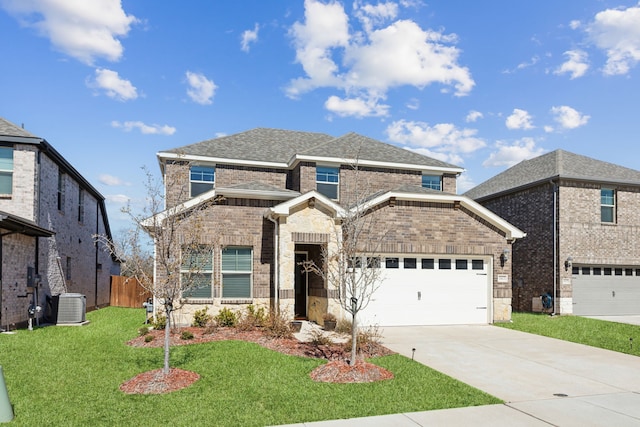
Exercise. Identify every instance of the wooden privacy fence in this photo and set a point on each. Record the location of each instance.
(127, 292)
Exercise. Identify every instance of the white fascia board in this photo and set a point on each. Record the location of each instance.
(214, 160)
(511, 231)
(373, 163)
(284, 209)
(161, 216)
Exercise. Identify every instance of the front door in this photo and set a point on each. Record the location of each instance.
(300, 305)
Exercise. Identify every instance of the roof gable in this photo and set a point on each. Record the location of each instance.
(556, 164)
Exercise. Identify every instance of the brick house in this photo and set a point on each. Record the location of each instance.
(582, 219)
(279, 197)
(48, 216)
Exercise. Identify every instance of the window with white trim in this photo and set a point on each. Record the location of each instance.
(237, 267)
(6, 170)
(327, 181)
(196, 272)
(434, 182)
(607, 205)
(60, 190)
(81, 205)
(201, 179)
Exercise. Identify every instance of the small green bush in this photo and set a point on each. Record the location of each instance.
(148, 338)
(365, 339)
(201, 318)
(143, 330)
(160, 323)
(319, 338)
(252, 318)
(226, 317)
(186, 335)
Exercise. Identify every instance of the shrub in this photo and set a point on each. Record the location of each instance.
(226, 317)
(343, 326)
(252, 318)
(319, 338)
(143, 330)
(329, 317)
(277, 326)
(160, 323)
(366, 339)
(201, 318)
(148, 338)
(186, 335)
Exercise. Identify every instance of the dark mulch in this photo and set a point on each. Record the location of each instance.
(337, 370)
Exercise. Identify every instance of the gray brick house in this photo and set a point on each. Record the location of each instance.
(48, 216)
(278, 199)
(582, 219)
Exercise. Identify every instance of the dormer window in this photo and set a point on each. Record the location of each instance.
(6, 170)
(202, 179)
(327, 180)
(433, 182)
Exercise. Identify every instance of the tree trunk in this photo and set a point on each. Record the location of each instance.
(167, 342)
(354, 341)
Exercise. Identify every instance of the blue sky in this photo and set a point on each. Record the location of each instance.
(480, 84)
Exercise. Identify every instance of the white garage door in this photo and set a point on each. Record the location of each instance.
(430, 291)
(605, 290)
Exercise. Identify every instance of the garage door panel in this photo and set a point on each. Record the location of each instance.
(429, 297)
(605, 294)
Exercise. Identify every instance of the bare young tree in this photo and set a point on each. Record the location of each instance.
(180, 254)
(351, 267)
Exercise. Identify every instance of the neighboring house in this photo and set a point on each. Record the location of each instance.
(582, 219)
(277, 197)
(49, 215)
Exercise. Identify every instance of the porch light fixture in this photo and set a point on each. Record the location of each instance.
(504, 257)
(567, 264)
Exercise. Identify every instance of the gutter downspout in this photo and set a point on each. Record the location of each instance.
(276, 269)
(95, 266)
(555, 245)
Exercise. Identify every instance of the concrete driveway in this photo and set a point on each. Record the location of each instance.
(549, 380)
(632, 319)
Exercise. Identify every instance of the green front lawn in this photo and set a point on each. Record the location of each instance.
(596, 333)
(67, 376)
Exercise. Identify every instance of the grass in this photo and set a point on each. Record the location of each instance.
(596, 333)
(68, 376)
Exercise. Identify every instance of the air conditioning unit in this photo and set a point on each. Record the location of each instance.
(72, 308)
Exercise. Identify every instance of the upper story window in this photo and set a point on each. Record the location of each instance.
(202, 179)
(433, 182)
(607, 205)
(327, 180)
(6, 170)
(60, 191)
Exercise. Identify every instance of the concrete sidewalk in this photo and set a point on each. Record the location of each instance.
(543, 381)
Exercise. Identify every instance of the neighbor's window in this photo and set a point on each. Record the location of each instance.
(60, 191)
(196, 271)
(327, 180)
(433, 182)
(237, 265)
(607, 205)
(6, 170)
(68, 271)
(202, 179)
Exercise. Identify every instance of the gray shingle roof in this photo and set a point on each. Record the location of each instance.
(9, 129)
(556, 164)
(279, 146)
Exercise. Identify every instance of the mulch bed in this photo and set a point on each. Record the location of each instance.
(337, 370)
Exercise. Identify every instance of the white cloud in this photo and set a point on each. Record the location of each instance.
(617, 32)
(575, 24)
(473, 116)
(118, 199)
(464, 183)
(356, 107)
(519, 119)
(85, 30)
(413, 104)
(248, 37)
(521, 66)
(367, 65)
(114, 86)
(144, 128)
(569, 118)
(201, 89)
(111, 180)
(511, 154)
(442, 139)
(576, 64)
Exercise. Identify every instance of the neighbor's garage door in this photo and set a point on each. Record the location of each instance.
(605, 291)
(430, 291)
